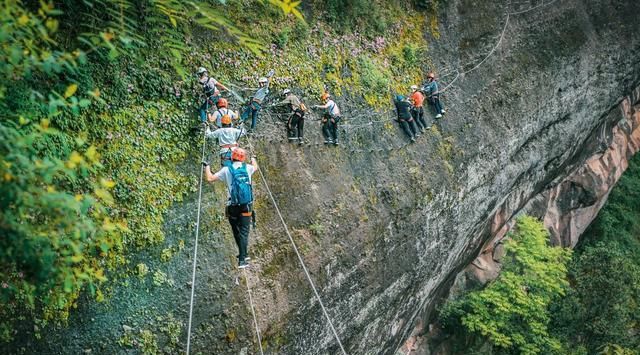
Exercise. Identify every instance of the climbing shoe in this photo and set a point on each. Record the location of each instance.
(300, 141)
(413, 140)
(336, 143)
(443, 111)
(328, 141)
(438, 116)
(243, 264)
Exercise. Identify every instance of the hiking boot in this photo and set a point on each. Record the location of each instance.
(327, 141)
(246, 258)
(300, 141)
(438, 115)
(336, 143)
(413, 140)
(418, 135)
(443, 111)
(293, 138)
(243, 264)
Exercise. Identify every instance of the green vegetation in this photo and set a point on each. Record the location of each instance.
(600, 313)
(95, 112)
(512, 311)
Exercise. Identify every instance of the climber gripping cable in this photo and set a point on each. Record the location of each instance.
(403, 108)
(295, 123)
(237, 176)
(227, 137)
(330, 119)
(211, 90)
(431, 90)
(255, 103)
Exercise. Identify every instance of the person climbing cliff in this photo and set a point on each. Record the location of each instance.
(330, 119)
(223, 109)
(417, 112)
(227, 138)
(403, 108)
(295, 123)
(211, 90)
(255, 103)
(431, 90)
(239, 207)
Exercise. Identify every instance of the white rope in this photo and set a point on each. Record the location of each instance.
(195, 248)
(295, 248)
(253, 312)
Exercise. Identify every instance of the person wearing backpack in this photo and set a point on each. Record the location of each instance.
(211, 89)
(295, 124)
(330, 119)
(222, 110)
(227, 137)
(239, 208)
(407, 123)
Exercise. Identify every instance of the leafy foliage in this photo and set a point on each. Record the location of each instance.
(600, 311)
(512, 311)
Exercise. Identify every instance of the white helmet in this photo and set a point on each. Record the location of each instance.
(262, 80)
(414, 87)
(201, 70)
(285, 91)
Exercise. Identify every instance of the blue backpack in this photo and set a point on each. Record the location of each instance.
(241, 190)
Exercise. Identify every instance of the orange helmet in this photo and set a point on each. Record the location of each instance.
(222, 102)
(431, 75)
(226, 119)
(239, 154)
(325, 96)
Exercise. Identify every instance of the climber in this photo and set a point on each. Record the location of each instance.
(255, 104)
(417, 112)
(223, 109)
(239, 208)
(431, 90)
(210, 88)
(227, 137)
(295, 123)
(404, 117)
(330, 119)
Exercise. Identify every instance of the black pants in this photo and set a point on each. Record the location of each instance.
(240, 221)
(409, 127)
(330, 128)
(295, 126)
(418, 117)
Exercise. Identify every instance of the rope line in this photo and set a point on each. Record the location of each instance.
(295, 248)
(195, 248)
(253, 312)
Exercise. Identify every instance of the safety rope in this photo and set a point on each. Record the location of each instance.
(253, 312)
(295, 248)
(195, 248)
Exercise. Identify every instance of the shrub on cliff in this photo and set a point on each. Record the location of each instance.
(512, 311)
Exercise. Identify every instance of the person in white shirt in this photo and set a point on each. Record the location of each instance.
(227, 137)
(330, 119)
(240, 203)
(211, 89)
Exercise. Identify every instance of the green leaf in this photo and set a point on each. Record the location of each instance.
(71, 89)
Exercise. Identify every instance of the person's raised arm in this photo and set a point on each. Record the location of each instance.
(207, 172)
(221, 87)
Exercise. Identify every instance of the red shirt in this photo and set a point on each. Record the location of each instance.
(417, 98)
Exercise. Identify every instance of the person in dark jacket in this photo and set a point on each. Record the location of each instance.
(405, 119)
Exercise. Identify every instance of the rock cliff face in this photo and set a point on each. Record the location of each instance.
(536, 127)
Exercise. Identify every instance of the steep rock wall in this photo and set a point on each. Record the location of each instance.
(385, 231)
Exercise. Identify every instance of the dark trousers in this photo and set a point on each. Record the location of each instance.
(240, 221)
(418, 117)
(330, 128)
(209, 102)
(409, 127)
(295, 126)
(434, 100)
